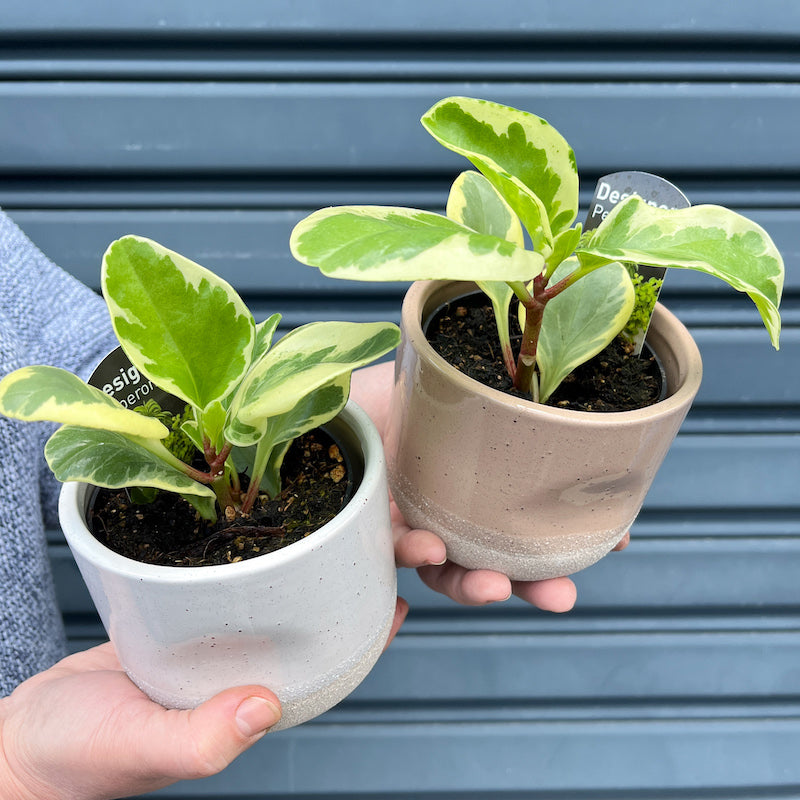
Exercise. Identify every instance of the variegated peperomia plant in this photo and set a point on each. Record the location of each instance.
(190, 333)
(575, 294)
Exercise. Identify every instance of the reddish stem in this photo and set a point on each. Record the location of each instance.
(534, 312)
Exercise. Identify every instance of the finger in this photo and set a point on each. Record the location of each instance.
(556, 594)
(623, 542)
(400, 612)
(203, 741)
(468, 587)
(418, 548)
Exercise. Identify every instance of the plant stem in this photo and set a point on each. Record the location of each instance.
(526, 361)
(534, 304)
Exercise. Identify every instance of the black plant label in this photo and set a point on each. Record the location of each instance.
(117, 377)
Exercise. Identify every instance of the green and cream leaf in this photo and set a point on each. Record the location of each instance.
(581, 321)
(308, 358)
(265, 459)
(110, 459)
(511, 147)
(401, 244)
(474, 202)
(265, 331)
(44, 393)
(181, 325)
(706, 238)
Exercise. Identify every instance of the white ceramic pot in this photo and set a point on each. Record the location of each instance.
(307, 621)
(510, 485)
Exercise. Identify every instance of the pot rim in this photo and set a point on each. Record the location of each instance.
(72, 501)
(420, 292)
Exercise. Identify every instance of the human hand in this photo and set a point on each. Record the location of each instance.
(371, 389)
(82, 730)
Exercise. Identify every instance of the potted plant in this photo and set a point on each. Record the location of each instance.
(307, 619)
(510, 481)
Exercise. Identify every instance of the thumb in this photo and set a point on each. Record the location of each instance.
(219, 730)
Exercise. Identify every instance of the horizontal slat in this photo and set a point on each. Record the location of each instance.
(511, 18)
(651, 574)
(274, 128)
(587, 755)
(483, 60)
(250, 248)
(118, 194)
(689, 574)
(595, 667)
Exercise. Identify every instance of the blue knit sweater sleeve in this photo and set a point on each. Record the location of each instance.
(46, 317)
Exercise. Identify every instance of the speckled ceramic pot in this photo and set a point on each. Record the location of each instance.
(308, 621)
(511, 485)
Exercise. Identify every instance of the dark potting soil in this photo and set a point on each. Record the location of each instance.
(168, 531)
(464, 333)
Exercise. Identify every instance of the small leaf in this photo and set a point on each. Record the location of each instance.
(564, 245)
(55, 395)
(581, 321)
(182, 326)
(107, 458)
(307, 358)
(474, 202)
(264, 332)
(315, 409)
(401, 244)
(503, 142)
(706, 238)
(310, 411)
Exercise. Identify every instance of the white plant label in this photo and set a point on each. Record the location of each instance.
(655, 191)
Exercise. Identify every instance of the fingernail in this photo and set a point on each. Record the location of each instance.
(436, 563)
(255, 715)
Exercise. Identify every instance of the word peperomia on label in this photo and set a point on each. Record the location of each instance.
(574, 290)
(190, 333)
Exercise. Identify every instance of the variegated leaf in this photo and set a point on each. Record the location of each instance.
(264, 332)
(400, 244)
(55, 395)
(706, 238)
(474, 202)
(180, 324)
(503, 142)
(581, 321)
(316, 408)
(107, 458)
(309, 357)
(310, 411)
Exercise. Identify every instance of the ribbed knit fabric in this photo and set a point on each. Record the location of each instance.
(46, 317)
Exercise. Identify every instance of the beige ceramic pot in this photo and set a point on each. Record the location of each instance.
(510, 485)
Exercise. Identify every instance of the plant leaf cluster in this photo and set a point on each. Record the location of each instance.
(510, 227)
(189, 332)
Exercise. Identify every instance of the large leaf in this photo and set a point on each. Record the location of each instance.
(107, 458)
(706, 238)
(181, 325)
(308, 358)
(511, 147)
(55, 395)
(380, 243)
(581, 321)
